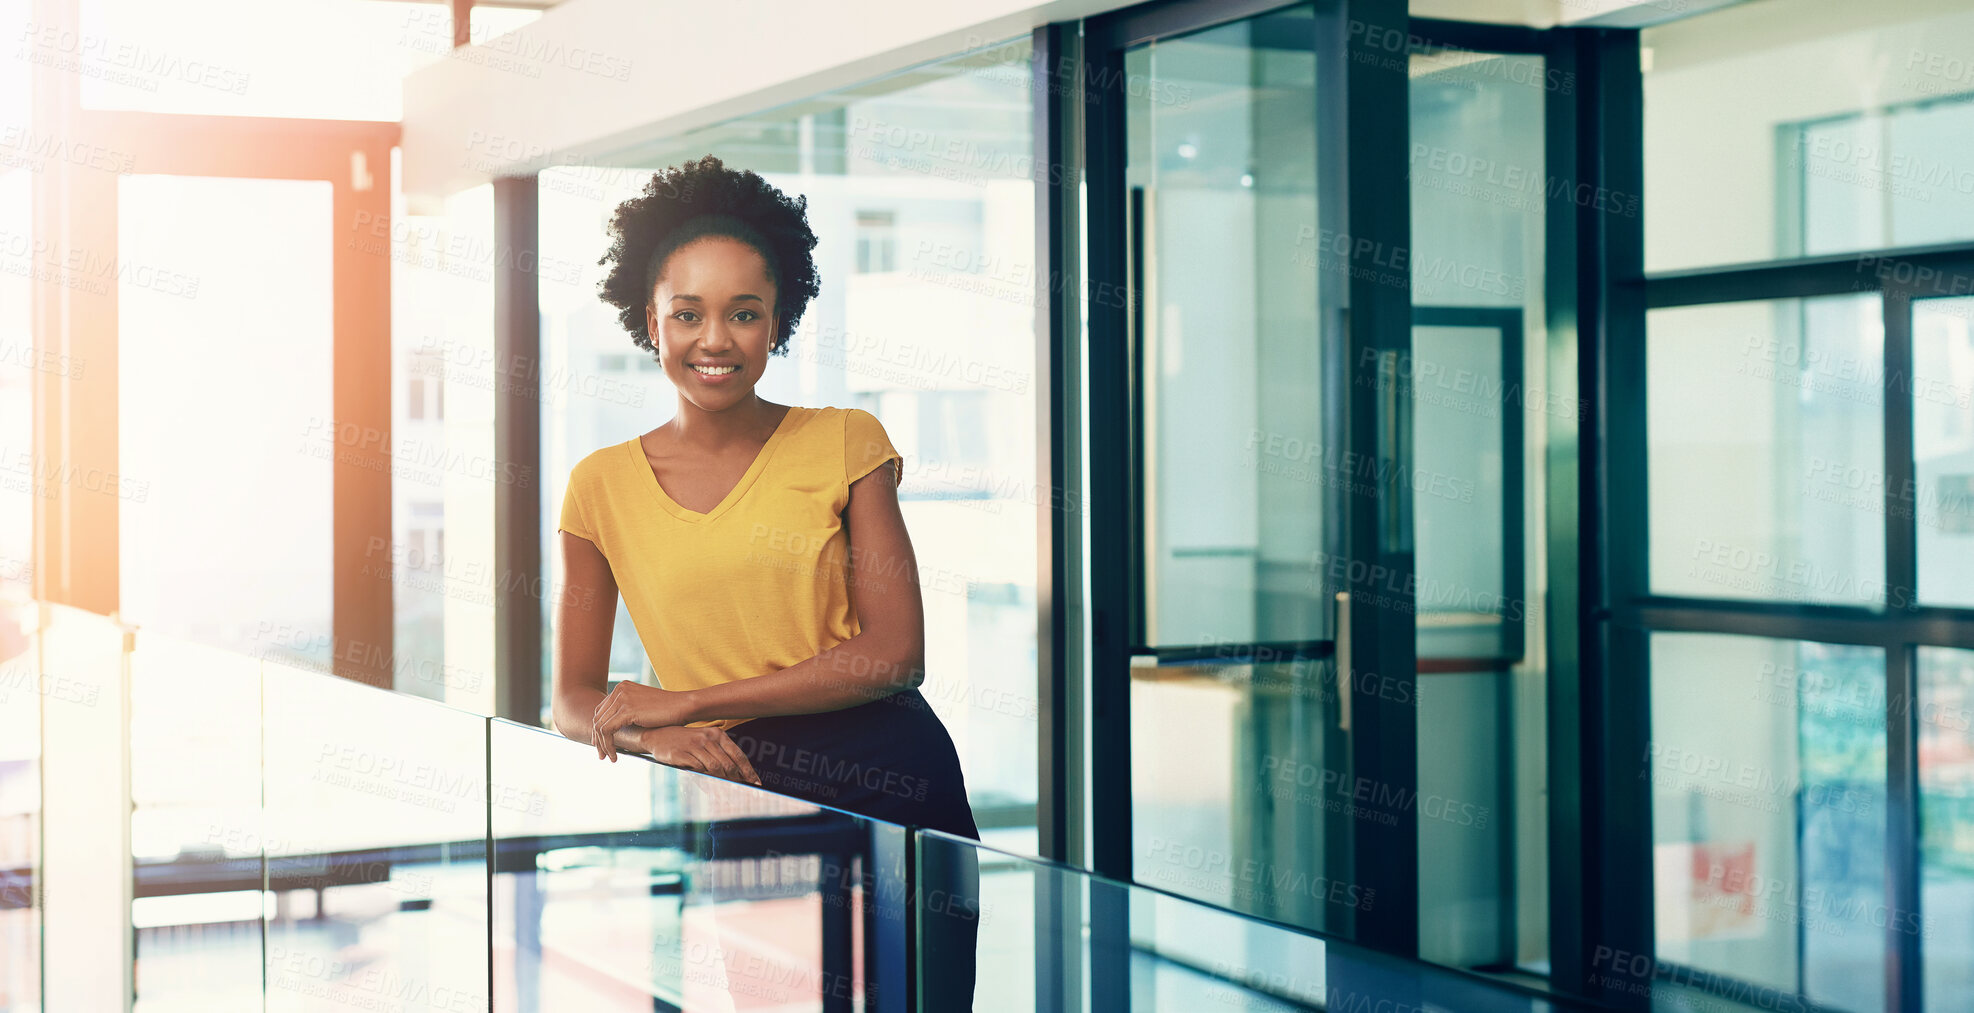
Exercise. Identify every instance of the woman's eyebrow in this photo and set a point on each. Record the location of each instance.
(738, 298)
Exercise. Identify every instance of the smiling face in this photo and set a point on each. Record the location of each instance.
(713, 308)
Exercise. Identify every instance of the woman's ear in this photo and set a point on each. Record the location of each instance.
(651, 321)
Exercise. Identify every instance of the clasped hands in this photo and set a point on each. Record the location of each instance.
(662, 714)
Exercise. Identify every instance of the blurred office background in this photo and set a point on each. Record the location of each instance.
(1614, 360)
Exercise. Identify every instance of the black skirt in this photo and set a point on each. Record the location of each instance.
(890, 759)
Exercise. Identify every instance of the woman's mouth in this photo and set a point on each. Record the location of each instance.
(713, 374)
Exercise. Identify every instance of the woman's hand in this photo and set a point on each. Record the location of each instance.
(632, 703)
(707, 750)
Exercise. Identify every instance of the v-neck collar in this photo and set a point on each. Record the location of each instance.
(782, 428)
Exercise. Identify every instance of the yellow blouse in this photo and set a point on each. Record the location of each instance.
(753, 586)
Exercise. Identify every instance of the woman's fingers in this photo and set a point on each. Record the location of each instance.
(743, 769)
(703, 760)
(604, 724)
(710, 760)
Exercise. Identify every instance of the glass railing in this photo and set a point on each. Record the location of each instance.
(1050, 937)
(299, 842)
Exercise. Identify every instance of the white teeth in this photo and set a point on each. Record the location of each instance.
(716, 370)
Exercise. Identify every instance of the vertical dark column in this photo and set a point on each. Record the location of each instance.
(1573, 560)
(521, 585)
(1056, 128)
(1056, 430)
(363, 607)
(1600, 707)
(1112, 492)
(1904, 980)
(1381, 682)
(1112, 504)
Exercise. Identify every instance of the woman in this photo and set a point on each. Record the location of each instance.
(759, 547)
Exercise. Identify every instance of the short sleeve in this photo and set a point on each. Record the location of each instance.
(865, 446)
(575, 505)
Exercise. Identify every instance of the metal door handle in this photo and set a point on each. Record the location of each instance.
(1345, 683)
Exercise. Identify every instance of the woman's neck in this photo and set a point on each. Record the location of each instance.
(749, 422)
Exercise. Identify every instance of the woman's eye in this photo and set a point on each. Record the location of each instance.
(747, 314)
(682, 314)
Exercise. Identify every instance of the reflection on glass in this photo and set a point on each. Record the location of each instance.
(926, 320)
(1943, 448)
(1848, 129)
(633, 886)
(1887, 176)
(20, 815)
(1767, 764)
(1466, 515)
(1238, 816)
(374, 830)
(1946, 825)
(1482, 410)
(224, 308)
(195, 826)
(443, 574)
(1765, 430)
(1055, 938)
(1221, 149)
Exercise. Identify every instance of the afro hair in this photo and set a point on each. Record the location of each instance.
(686, 202)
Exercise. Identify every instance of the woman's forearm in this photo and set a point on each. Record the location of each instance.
(574, 710)
(858, 670)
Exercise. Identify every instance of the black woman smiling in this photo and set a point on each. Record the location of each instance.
(759, 547)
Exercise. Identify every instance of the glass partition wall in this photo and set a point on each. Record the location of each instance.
(1803, 560)
(1338, 690)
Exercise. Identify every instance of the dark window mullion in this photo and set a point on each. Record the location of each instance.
(1904, 978)
(1901, 504)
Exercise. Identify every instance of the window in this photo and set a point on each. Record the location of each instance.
(1760, 418)
(1767, 769)
(876, 242)
(1787, 129)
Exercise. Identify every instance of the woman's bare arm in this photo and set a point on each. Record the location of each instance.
(888, 653)
(585, 619)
